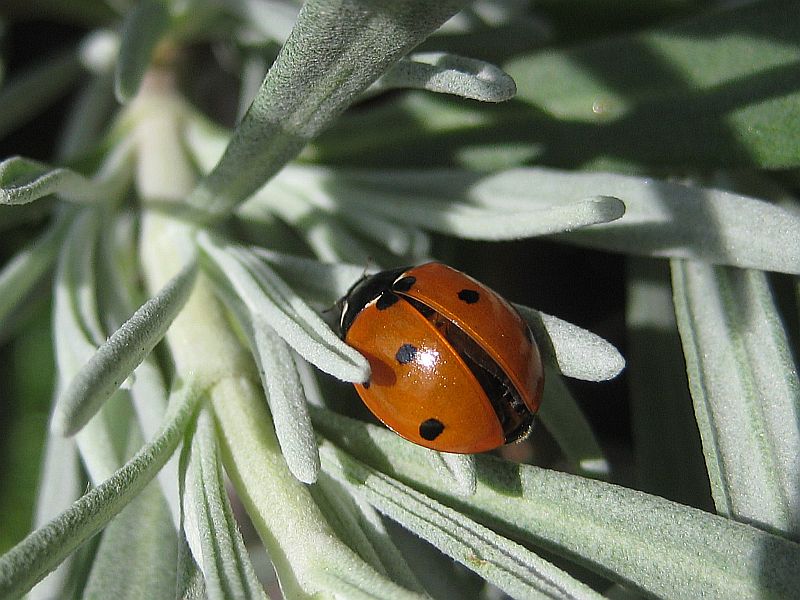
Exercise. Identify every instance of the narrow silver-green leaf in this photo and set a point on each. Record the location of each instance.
(458, 468)
(43, 549)
(576, 352)
(506, 564)
(280, 380)
(143, 28)
(662, 548)
(139, 540)
(23, 180)
(76, 329)
(328, 281)
(121, 294)
(746, 392)
(211, 529)
(675, 220)
(116, 359)
(323, 232)
(336, 49)
(60, 483)
(287, 403)
(26, 267)
(103, 441)
(448, 74)
(359, 524)
(265, 294)
(661, 218)
(564, 420)
(464, 220)
(22, 98)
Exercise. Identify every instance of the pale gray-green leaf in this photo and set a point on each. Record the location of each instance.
(458, 468)
(459, 215)
(76, 329)
(143, 28)
(562, 417)
(116, 359)
(302, 328)
(23, 180)
(43, 549)
(139, 540)
(506, 564)
(361, 526)
(60, 483)
(447, 74)
(329, 281)
(668, 550)
(671, 219)
(336, 50)
(576, 352)
(211, 529)
(746, 392)
(26, 268)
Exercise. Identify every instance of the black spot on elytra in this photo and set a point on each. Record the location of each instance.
(385, 300)
(430, 429)
(469, 296)
(404, 284)
(405, 354)
(366, 384)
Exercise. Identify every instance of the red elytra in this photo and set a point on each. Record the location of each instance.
(454, 366)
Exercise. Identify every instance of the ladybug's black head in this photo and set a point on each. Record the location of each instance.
(364, 291)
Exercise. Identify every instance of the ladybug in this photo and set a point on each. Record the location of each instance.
(454, 365)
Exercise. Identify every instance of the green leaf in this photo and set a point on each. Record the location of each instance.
(669, 219)
(43, 549)
(25, 96)
(308, 556)
(76, 328)
(718, 89)
(661, 218)
(61, 482)
(460, 211)
(448, 74)
(326, 281)
(459, 469)
(562, 417)
(139, 540)
(576, 352)
(648, 543)
(506, 564)
(326, 234)
(280, 381)
(119, 296)
(211, 530)
(27, 267)
(746, 392)
(88, 117)
(265, 294)
(360, 526)
(116, 359)
(23, 180)
(336, 50)
(143, 28)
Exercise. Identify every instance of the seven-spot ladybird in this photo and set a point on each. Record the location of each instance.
(454, 366)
